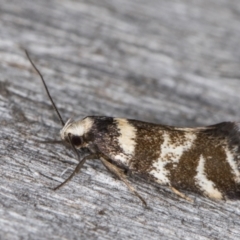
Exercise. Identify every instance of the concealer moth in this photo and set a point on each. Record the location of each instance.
(203, 160)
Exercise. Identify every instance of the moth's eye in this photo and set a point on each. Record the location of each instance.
(76, 140)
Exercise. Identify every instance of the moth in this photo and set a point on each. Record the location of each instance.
(203, 160)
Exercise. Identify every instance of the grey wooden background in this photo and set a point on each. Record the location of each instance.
(171, 62)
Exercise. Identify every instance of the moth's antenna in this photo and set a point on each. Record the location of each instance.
(45, 86)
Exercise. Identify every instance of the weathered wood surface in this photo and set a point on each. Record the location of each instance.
(171, 62)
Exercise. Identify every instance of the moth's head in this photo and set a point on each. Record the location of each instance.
(76, 131)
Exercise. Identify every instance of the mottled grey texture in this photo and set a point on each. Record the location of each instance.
(169, 62)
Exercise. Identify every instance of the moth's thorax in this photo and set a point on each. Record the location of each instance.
(78, 128)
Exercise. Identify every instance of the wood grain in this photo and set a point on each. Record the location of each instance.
(170, 62)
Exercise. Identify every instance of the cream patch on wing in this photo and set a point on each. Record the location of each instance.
(171, 152)
(160, 173)
(127, 138)
(206, 185)
(121, 158)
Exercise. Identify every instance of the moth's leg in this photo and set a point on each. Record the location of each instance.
(182, 195)
(77, 169)
(120, 174)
